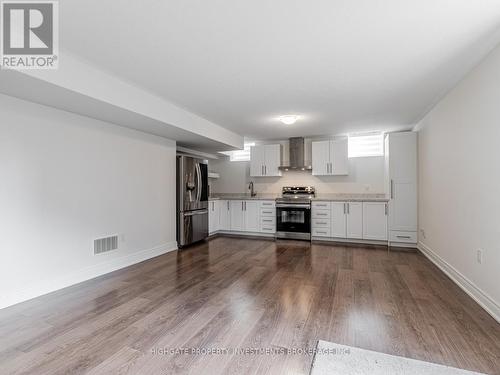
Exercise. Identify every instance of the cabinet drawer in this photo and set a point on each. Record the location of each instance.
(321, 214)
(320, 232)
(271, 220)
(268, 228)
(267, 204)
(271, 212)
(321, 205)
(400, 236)
(320, 223)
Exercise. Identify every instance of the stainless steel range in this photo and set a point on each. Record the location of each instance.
(293, 212)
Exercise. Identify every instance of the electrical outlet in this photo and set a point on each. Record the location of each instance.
(422, 232)
(480, 256)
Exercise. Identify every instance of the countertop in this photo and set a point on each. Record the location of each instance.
(239, 196)
(352, 197)
(319, 197)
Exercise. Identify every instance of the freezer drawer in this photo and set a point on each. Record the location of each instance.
(192, 227)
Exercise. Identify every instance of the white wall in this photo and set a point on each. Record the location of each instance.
(366, 175)
(67, 179)
(459, 182)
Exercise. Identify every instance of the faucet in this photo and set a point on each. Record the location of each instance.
(253, 193)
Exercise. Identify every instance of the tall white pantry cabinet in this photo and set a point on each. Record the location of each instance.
(401, 185)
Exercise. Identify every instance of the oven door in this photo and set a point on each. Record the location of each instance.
(293, 221)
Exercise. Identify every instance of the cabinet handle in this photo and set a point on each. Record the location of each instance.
(321, 222)
(265, 170)
(228, 205)
(344, 209)
(267, 220)
(386, 209)
(392, 189)
(348, 208)
(407, 237)
(320, 232)
(241, 205)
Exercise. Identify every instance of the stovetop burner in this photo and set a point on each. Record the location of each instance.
(297, 194)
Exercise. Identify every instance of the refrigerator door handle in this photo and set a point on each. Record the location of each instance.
(193, 213)
(198, 181)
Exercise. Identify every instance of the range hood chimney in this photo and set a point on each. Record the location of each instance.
(297, 153)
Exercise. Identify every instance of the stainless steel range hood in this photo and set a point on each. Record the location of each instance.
(297, 156)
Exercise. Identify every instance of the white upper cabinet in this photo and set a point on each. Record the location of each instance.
(401, 175)
(265, 160)
(257, 160)
(339, 156)
(320, 158)
(330, 158)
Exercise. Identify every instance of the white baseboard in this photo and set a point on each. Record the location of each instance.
(51, 285)
(245, 234)
(484, 300)
(349, 241)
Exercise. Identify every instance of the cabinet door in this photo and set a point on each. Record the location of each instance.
(339, 157)
(339, 224)
(355, 220)
(403, 156)
(213, 217)
(257, 160)
(224, 215)
(252, 216)
(237, 217)
(320, 158)
(375, 221)
(403, 206)
(272, 160)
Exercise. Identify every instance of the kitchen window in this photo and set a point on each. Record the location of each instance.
(240, 155)
(363, 145)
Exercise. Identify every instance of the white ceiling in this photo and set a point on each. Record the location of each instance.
(344, 65)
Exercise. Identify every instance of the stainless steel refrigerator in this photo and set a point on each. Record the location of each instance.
(192, 200)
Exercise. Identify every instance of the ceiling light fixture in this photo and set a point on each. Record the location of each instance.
(289, 119)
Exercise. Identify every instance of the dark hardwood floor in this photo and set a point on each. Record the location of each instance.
(249, 293)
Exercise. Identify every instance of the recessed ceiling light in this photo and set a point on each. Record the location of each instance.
(289, 119)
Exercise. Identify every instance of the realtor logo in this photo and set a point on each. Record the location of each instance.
(30, 37)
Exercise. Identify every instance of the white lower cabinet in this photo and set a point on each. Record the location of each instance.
(237, 215)
(213, 216)
(350, 220)
(252, 216)
(355, 220)
(248, 216)
(339, 219)
(224, 215)
(375, 221)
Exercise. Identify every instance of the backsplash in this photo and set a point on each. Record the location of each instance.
(366, 175)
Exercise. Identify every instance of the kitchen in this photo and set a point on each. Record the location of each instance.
(299, 210)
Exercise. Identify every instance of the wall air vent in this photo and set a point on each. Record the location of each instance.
(102, 245)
